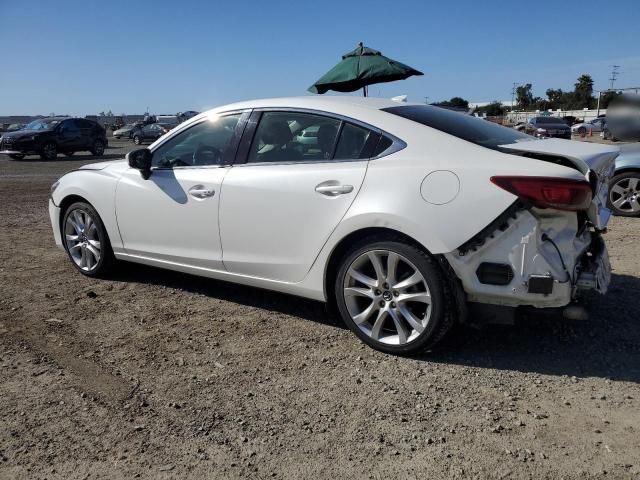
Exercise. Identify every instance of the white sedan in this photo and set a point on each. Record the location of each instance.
(405, 218)
(594, 126)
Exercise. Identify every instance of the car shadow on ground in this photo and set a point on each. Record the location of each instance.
(606, 346)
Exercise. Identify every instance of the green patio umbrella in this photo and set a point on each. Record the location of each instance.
(359, 68)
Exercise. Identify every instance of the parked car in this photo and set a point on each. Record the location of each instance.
(593, 126)
(49, 136)
(14, 127)
(571, 120)
(169, 121)
(402, 217)
(148, 133)
(624, 187)
(127, 130)
(547, 127)
(184, 116)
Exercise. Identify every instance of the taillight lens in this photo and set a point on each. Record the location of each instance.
(548, 192)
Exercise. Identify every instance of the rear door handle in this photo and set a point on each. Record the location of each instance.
(200, 191)
(332, 190)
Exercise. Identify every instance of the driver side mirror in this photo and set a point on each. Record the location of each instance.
(141, 160)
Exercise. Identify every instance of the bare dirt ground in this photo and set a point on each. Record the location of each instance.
(155, 374)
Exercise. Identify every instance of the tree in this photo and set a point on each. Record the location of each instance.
(455, 102)
(524, 97)
(494, 109)
(607, 98)
(583, 92)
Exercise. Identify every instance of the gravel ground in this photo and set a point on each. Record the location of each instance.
(155, 374)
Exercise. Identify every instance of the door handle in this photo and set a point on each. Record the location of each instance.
(332, 190)
(200, 191)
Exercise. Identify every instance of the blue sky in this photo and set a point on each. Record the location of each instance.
(82, 57)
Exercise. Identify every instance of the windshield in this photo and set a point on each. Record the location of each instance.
(41, 124)
(472, 129)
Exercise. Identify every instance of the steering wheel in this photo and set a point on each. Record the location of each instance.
(207, 155)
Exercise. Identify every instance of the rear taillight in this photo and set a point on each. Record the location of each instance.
(548, 192)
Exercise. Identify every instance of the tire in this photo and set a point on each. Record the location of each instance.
(137, 140)
(69, 154)
(624, 194)
(387, 322)
(16, 157)
(98, 148)
(80, 241)
(582, 131)
(49, 151)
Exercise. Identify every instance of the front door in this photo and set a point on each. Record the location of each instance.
(173, 216)
(277, 210)
(69, 136)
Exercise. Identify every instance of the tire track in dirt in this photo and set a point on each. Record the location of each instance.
(88, 376)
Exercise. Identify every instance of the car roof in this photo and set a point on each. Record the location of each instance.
(315, 102)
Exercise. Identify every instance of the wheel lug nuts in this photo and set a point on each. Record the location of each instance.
(378, 292)
(395, 293)
(386, 285)
(382, 303)
(393, 304)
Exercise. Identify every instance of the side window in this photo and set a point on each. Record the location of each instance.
(351, 143)
(69, 126)
(206, 143)
(293, 137)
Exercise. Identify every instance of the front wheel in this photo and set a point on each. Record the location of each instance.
(86, 240)
(137, 140)
(391, 295)
(624, 194)
(582, 131)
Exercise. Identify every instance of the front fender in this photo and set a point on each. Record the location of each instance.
(98, 188)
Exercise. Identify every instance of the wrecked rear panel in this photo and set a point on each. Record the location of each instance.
(531, 256)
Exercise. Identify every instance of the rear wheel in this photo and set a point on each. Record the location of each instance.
(582, 131)
(624, 194)
(391, 295)
(97, 148)
(49, 151)
(137, 140)
(86, 241)
(16, 156)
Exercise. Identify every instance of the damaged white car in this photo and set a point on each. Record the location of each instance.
(406, 218)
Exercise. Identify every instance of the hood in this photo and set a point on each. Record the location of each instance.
(101, 165)
(23, 133)
(583, 155)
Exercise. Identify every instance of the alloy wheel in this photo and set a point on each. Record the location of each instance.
(387, 297)
(50, 151)
(98, 148)
(625, 195)
(82, 239)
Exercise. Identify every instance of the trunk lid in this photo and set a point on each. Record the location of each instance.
(583, 155)
(595, 161)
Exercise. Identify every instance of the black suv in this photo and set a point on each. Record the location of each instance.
(48, 136)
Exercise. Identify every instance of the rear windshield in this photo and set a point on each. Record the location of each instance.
(472, 129)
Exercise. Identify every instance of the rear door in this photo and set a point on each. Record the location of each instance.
(280, 205)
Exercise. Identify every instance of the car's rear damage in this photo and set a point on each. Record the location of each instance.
(540, 258)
